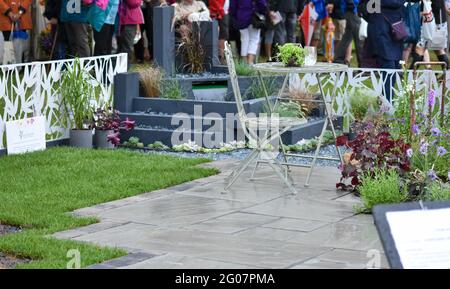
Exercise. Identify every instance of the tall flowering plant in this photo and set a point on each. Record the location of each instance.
(430, 148)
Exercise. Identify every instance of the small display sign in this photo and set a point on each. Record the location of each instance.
(25, 135)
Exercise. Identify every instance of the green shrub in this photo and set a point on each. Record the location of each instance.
(133, 142)
(381, 187)
(438, 192)
(362, 102)
(171, 89)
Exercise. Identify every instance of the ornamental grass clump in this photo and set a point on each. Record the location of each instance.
(150, 78)
(291, 54)
(79, 92)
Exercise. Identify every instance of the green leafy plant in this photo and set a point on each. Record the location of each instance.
(133, 142)
(362, 102)
(79, 91)
(157, 145)
(381, 187)
(306, 145)
(291, 54)
(171, 89)
(438, 192)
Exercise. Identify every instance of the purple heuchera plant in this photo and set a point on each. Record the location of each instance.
(109, 119)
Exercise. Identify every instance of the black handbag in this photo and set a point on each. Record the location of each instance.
(258, 19)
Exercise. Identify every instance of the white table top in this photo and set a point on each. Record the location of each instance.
(319, 67)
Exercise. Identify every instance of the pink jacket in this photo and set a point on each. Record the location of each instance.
(102, 4)
(130, 12)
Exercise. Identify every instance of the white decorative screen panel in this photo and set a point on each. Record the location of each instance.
(32, 89)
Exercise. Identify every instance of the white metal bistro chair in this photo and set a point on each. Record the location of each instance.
(272, 125)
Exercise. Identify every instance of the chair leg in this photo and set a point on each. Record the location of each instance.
(252, 178)
(240, 169)
(277, 168)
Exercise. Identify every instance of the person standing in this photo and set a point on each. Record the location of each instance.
(218, 10)
(242, 12)
(74, 18)
(15, 15)
(439, 11)
(102, 17)
(130, 16)
(352, 23)
(144, 49)
(383, 47)
(52, 12)
(285, 30)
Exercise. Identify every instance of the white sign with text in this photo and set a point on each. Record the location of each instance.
(25, 135)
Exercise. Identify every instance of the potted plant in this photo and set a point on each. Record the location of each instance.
(292, 55)
(78, 92)
(107, 127)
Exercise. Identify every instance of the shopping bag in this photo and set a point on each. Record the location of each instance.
(9, 55)
(439, 41)
(363, 29)
(428, 22)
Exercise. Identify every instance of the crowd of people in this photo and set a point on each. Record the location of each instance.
(338, 28)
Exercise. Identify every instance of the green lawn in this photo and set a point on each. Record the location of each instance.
(38, 190)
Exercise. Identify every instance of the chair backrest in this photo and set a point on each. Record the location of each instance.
(234, 83)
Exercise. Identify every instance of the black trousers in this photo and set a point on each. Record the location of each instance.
(351, 33)
(103, 40)
(146, 28)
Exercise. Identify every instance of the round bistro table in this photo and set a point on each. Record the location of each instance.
(319, 69)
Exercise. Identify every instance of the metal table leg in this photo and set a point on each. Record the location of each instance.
(328, 119)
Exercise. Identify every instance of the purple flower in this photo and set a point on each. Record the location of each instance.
(409, 153)
(435, 131)
(448, 176)
(415, 129)
(424, 148)
(431, 98)
(441, 151)
(432, 175)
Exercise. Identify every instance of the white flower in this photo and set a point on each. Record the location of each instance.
(402, 62)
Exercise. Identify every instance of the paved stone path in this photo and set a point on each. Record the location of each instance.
(257, 224)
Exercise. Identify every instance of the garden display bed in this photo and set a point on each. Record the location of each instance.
(154, 116)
